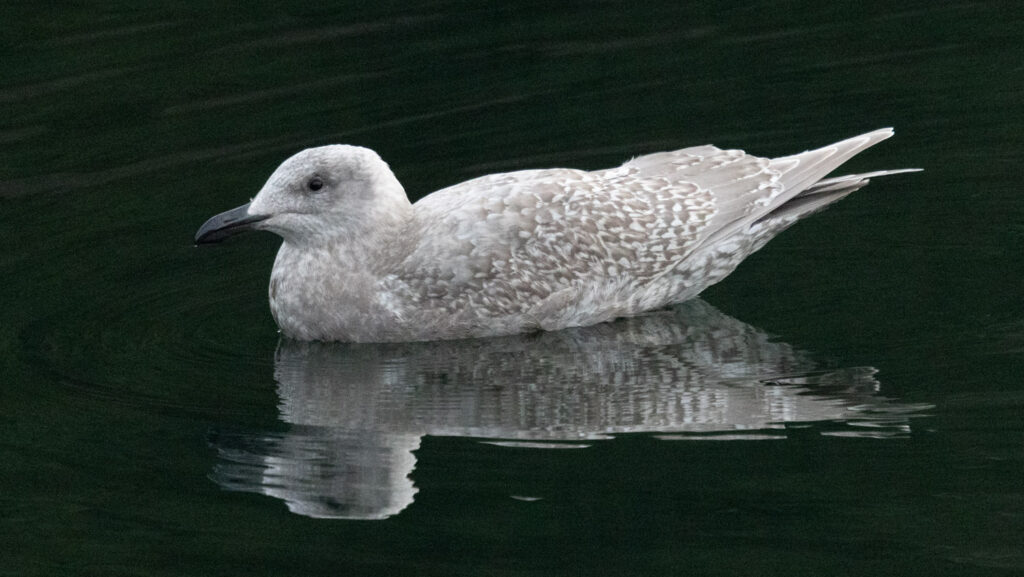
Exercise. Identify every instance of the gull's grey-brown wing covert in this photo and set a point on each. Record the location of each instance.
(520, 251)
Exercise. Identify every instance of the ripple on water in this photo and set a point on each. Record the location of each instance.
(157, 345)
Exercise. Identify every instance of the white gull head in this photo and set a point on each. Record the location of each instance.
(520, 251)
(323, 193)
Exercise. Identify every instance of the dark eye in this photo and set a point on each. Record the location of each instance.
(315, 183)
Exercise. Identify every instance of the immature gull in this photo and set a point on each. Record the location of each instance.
(519, 251)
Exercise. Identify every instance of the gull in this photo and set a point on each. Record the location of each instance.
(519, 251)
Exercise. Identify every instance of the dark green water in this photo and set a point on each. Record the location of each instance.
(850, 401)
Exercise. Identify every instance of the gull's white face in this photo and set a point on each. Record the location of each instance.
(323, 190)
(320, 195)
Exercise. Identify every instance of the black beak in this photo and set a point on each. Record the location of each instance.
(226, 224)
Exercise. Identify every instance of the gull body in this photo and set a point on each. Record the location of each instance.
(519, 251)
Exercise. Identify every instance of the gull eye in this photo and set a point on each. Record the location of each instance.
(315, 184)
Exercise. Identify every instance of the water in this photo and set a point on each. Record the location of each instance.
(848, 402)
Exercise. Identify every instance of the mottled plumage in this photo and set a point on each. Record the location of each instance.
(520, 251)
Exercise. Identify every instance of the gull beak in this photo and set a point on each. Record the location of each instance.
(227, 224)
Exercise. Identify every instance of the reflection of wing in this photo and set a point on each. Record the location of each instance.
(685, 369)
(358, 409)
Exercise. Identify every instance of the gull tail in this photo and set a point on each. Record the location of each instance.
(825, 192)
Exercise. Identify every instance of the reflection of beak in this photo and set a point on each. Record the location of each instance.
(226, 224)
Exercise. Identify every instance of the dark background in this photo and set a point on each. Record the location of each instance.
(122, 346)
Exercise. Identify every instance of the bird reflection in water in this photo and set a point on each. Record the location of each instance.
(356, 412)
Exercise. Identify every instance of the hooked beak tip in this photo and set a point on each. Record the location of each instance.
(226, 224)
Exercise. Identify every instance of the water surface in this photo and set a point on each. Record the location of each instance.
(848, 402)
